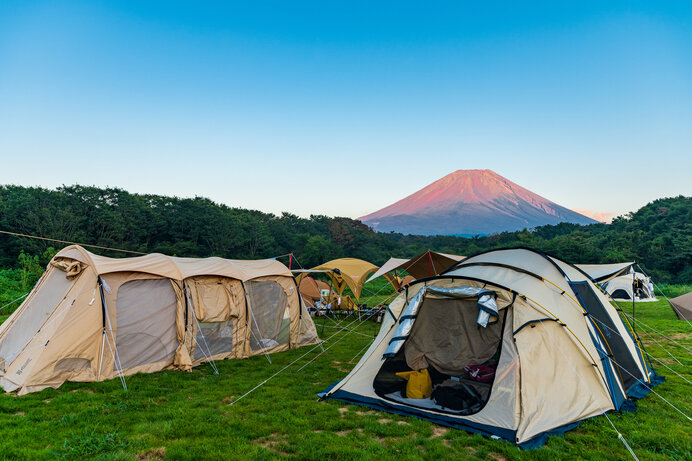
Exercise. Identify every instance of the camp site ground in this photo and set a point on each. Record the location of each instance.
(178, 415)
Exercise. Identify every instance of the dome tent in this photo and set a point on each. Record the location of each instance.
(558, 349)
(91, 318)
(633, 286)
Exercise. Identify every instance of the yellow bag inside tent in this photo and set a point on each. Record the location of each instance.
(419, 385)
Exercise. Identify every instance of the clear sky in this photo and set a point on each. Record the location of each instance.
(341, 108)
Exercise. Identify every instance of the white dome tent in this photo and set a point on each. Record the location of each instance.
(553, 348)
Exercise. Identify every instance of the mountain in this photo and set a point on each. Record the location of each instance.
(470, 202)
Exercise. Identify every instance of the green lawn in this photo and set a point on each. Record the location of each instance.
(178, 415)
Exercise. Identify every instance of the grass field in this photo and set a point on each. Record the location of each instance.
(178, 415)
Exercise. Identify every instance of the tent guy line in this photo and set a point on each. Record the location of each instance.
(15, 234)
(287, 366)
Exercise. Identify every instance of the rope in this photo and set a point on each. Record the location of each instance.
(352, 331)
(660, 334)
(208, 357)
(22, 296)
(114, 349)
(679, 375)
(652, 390)
(332, 345)
(280, 371)
(359, 352)
(70, 243)
(647, 352)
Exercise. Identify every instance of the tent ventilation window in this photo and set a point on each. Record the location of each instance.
(441, 335)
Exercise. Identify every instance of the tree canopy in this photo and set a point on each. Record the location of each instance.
(658, 236)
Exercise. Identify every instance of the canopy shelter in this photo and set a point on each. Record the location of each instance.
(91, 318)
(426, 264)
(682, 305)
(345, 272)
(512, 344)
(604, 272)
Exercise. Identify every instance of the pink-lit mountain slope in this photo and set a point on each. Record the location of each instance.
(469, 202)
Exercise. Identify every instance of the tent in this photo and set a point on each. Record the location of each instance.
(682, 305)
(425, 264)
(518, 345)
(604, 272)
(345, 272)
(311, 290)
(91, 318)
(631, 286)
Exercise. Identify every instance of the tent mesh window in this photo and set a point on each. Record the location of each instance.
(146, 331)
(217, 336)
(447, 341)
(269, 319)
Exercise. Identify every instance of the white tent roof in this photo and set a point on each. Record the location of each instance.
(605, 272)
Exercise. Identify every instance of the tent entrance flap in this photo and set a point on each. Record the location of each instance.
(460, 355)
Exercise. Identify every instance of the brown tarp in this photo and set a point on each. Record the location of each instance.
(427, 264)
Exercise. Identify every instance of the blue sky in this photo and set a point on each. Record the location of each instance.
(283, 106)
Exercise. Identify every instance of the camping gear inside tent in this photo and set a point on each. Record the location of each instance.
(601, 273)
(425, 264)
(634, 286)
(518, 345)
(91, 318)
(682, 305)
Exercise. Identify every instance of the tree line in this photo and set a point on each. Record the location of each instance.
(658, 236)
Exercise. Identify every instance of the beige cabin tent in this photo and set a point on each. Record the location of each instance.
(91, 318)
(517, 345)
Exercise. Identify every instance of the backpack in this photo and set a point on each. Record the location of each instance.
(457, 396)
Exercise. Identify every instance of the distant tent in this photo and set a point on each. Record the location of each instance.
(627, 287)
(91, 318)
(344, 272)
(517, 345)
(682, 305)
(604, 272)
(426, 264)
(311, 290)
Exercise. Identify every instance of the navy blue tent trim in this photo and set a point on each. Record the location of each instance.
(450, 421)
(539, 440)
(641, 389)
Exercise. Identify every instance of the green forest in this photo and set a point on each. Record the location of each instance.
(658, 236)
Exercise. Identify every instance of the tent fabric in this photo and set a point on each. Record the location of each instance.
(682, 306)
(352, 273)
(621, 289)
(426, 264)
(555, 367)
(91, 318)
(604, 272)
